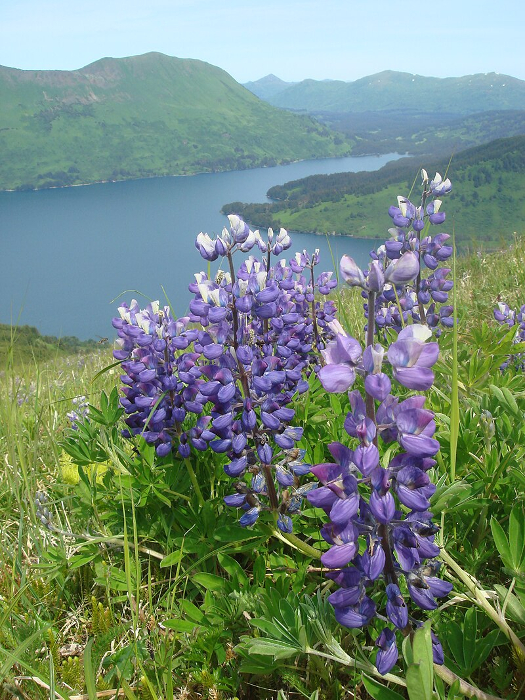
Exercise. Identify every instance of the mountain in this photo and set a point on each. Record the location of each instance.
(267, 87)
(486, 206)
(143, 116)
(391, 90)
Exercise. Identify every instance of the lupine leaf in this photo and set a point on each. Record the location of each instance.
(171, 559)
(233, 568)
(517, 536)
(501, 541)
(510, 402)
(482, 649)
(470, 629)
(211, 581)
(378, 691)
(420, 671)
(180, 625)
(422, 647)
(259, 571)
(192, 611)
(454, 637)
(514, 608)
(279, 650)
(288, 613)
(415, 684)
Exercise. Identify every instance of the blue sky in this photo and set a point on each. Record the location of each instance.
(339, 39)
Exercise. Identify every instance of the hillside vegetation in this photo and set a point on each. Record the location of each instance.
(143, 116)
(423, 133)
(488, 210)
(392, 90)
(26, 343)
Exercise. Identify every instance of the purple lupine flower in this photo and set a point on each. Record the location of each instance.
(440, 187)
(351, 272)
(341, 357)
(356, 615)
(396, 608)
(402, 302)
(411, 358)
(387, 654)
(434, 214)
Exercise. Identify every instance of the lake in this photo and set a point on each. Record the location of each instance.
(69, 253)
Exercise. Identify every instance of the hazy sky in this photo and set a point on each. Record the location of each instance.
(295, 39)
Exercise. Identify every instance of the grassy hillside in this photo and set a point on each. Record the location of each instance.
(392, 90)
(22, 344)
(423, 133)
(142, 116)
(490, 179)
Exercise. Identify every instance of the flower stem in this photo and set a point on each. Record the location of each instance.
(314, 318)
(369, 403)
(194, 481)
(297, 543)
(469, 690)
(480, 597)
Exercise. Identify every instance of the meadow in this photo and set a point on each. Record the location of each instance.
(127, 573)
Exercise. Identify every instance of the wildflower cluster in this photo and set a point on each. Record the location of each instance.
(235, 364)
(424, 300)
(80, 411)
(380, 527)
(513, 318)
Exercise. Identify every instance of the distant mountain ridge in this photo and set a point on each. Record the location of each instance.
(143, 116)
(267, 87)
(392, 90)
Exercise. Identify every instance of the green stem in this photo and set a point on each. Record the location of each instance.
(469, 690)
(480, 598)
(297, 543)
(355, 663)
(442, 671)
(194, 481)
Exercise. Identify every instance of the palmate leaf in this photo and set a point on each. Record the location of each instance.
(273, 648)
(468, 650)
(517, 537)
(378, 691)
(513, 607)
(511, 549)
(291, 626)
(420, 665)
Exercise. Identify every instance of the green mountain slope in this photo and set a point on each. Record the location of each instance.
(491, 206)
(392, 90)
(142, 116)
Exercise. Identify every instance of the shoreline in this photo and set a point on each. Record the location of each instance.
(200, 172)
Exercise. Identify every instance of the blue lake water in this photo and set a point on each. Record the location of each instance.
(67, 253)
